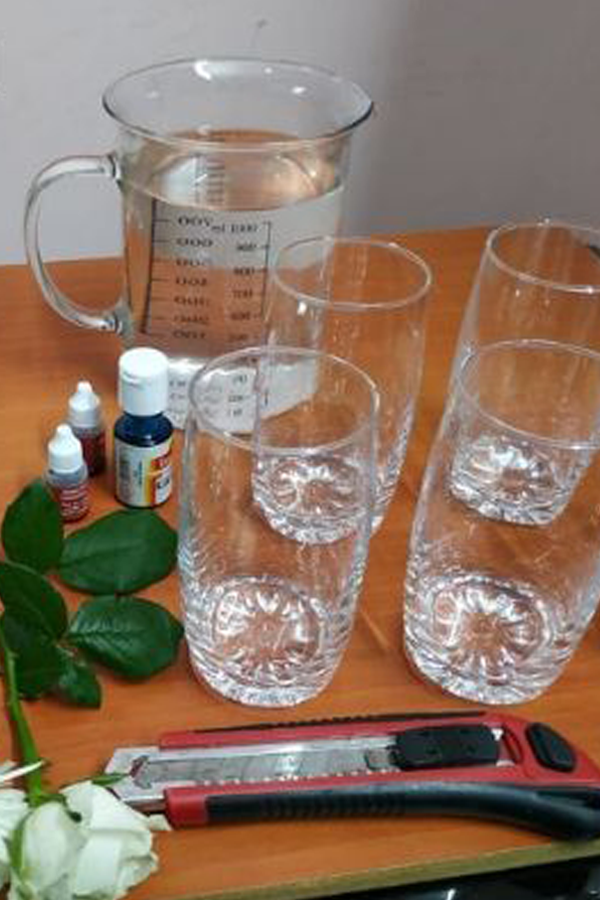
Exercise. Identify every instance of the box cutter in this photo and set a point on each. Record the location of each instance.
(481, 764)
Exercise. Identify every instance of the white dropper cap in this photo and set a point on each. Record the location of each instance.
(84, 406)
(143, 381)
(65, 453)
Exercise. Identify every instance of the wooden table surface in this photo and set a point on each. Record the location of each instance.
(41, 359)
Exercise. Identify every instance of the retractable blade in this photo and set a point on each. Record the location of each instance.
(473, 763)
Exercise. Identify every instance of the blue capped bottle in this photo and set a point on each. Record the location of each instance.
(143, 435)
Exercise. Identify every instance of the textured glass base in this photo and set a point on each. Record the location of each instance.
(261, 641)
(485, 639)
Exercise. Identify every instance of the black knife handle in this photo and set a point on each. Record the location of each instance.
(574, 814)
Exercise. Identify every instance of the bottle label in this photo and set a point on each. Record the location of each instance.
(143, 475)
(74, 502)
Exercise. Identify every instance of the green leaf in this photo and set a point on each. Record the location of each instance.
(132, 636)
(32, 529)
(30, 598)
(107, 779)
(38, 663)
(119, 553)
(77, 682)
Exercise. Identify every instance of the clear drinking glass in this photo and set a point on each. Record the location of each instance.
(535, 280)
(267, 613)
(363, 300)
(220, 163)
(504, 565)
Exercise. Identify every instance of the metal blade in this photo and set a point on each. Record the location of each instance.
(150, 770)
(266, 762)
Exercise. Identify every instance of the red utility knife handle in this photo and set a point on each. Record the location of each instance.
(321, 728)
(528, 763)
(538, 780)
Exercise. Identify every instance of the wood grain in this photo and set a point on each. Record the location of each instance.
(41, 358)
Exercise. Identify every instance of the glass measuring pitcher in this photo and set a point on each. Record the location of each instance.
(220, 163)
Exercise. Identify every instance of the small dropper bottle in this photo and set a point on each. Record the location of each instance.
(67, 475)
(143, 435)
(85, 419)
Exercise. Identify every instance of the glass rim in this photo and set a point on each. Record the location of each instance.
(526, 343)
(109, 97)
(355, 305)
(528, 277)
(368, 423)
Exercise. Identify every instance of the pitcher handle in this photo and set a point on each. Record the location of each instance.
(106, 166)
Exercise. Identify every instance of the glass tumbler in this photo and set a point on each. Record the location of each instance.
(535, 280)
(267, 611)
(503, 574)
(364, 300)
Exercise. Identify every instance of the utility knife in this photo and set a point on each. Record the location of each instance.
(474, 763)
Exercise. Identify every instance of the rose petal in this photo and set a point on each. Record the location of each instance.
(105, 872)
(158, 822)
(118, 848)
(98, 867)
(80, 798)
(102, 810)
(13, 806)
(50, 843)
(135, 870)
(4, 864)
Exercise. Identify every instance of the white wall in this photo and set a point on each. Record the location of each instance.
(486, 109)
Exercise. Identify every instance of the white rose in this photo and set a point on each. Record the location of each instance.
(117, 853)
(100, 855)
(49, 843)
(13, 807)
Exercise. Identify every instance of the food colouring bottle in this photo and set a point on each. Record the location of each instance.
(143, 435)
(67, 474)
(85, 419)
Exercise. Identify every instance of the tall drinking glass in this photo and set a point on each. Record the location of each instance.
(364, 300)
(535, 280)
(504, 564)
(268, 610)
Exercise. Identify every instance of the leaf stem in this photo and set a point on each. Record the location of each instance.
(36, 792)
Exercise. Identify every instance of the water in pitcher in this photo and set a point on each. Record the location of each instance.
(200, 234)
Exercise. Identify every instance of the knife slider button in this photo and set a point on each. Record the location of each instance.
(445, 746)
(549, 748)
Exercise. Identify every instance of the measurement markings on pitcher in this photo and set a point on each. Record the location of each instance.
(207, 276)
